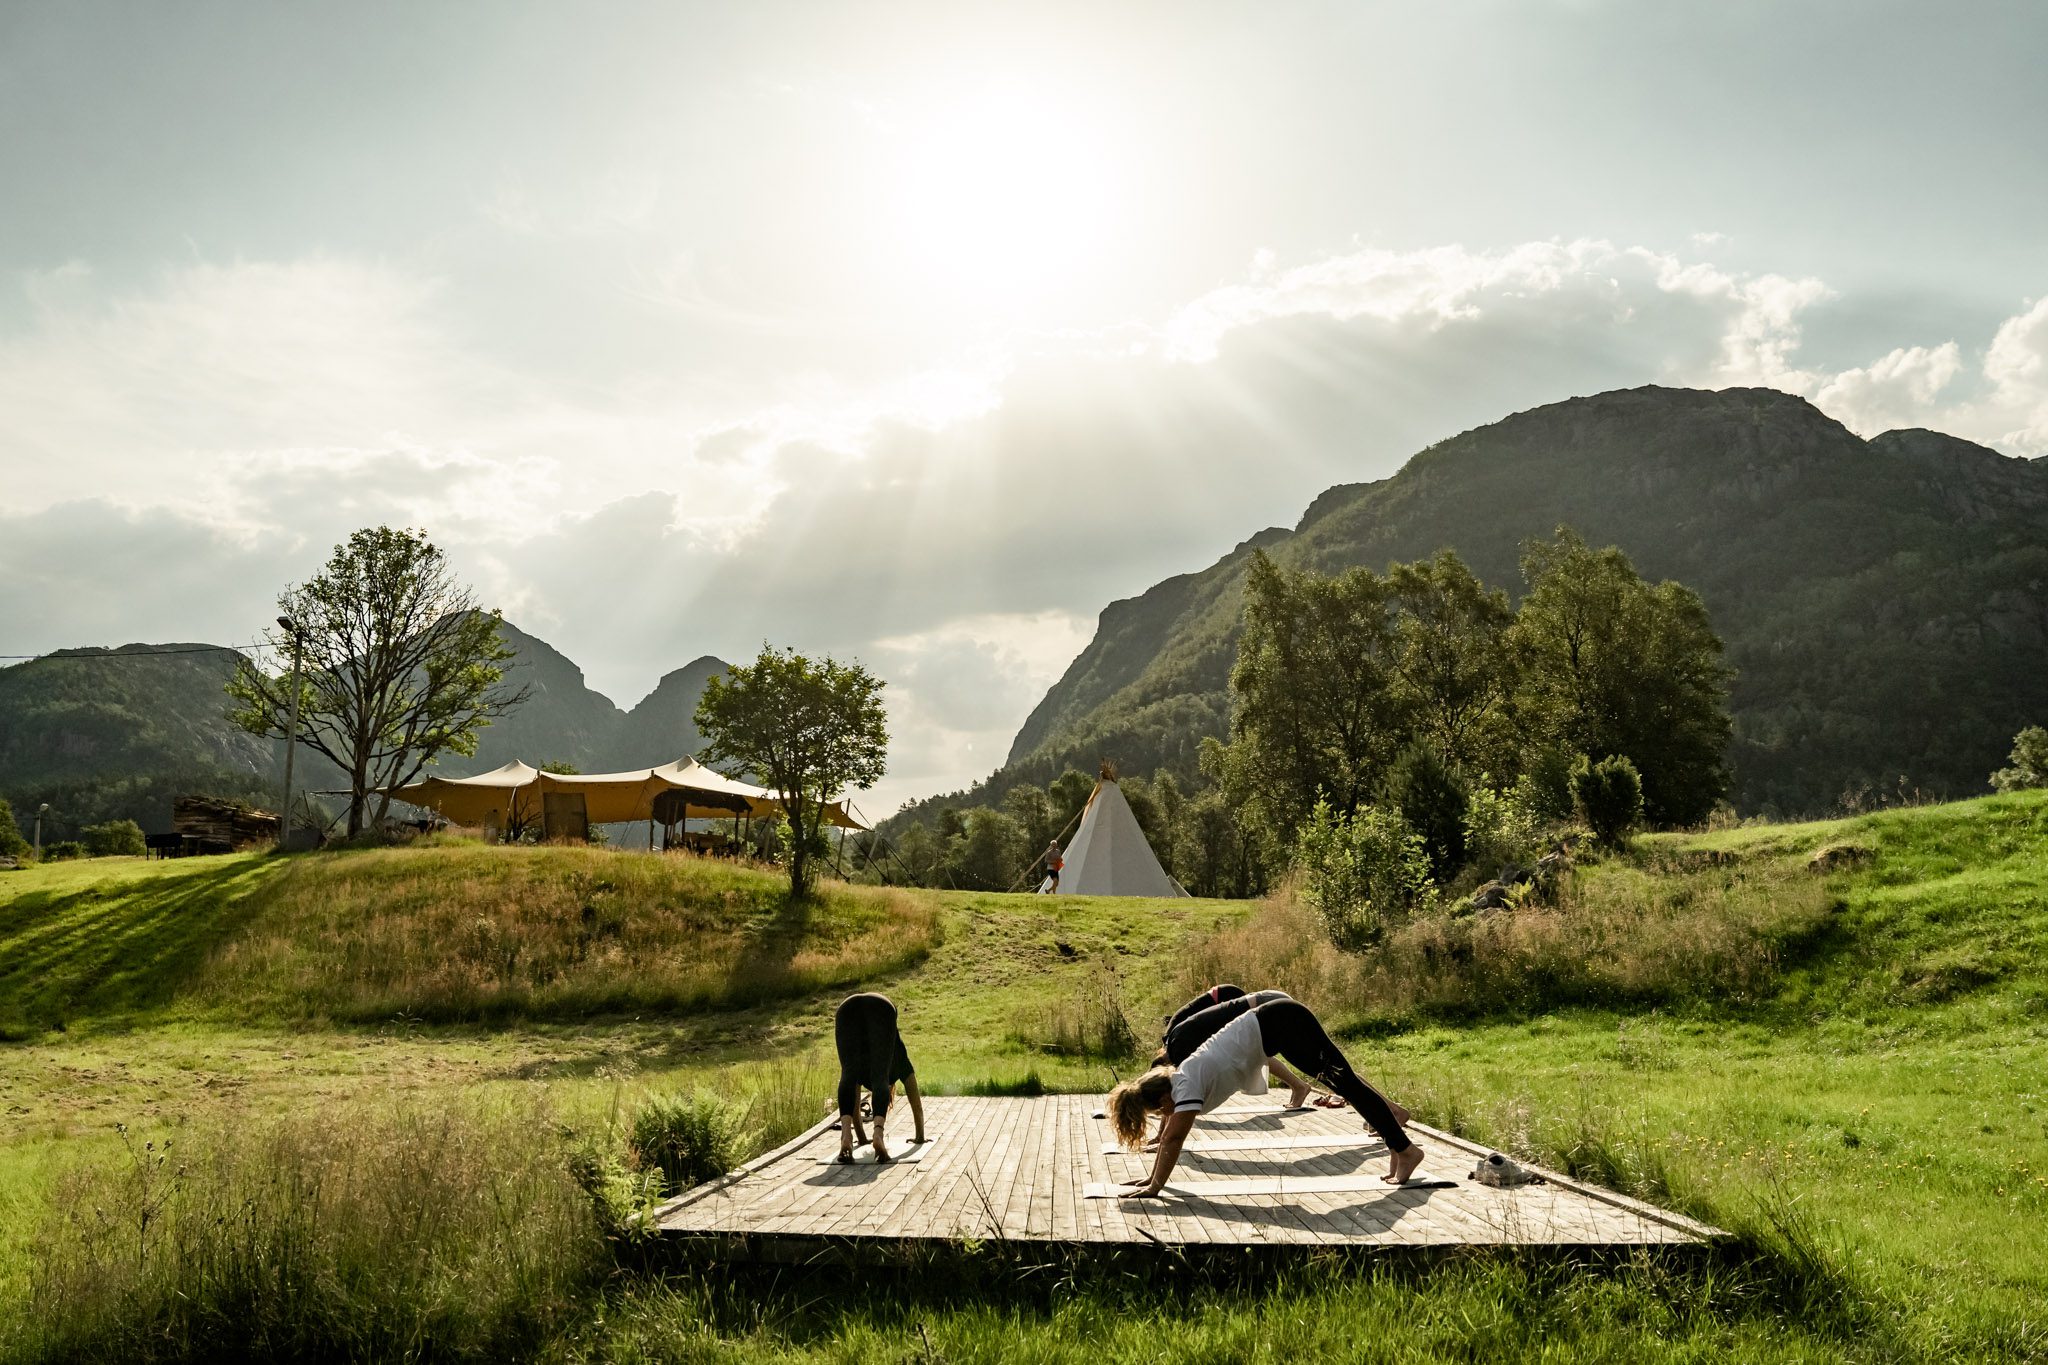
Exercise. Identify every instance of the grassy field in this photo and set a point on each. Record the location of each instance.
(1842, 1063)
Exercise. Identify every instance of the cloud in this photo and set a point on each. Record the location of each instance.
(957, 528)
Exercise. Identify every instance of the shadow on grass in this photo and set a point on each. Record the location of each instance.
(104, 953)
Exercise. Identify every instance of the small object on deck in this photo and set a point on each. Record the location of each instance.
(865, 1155)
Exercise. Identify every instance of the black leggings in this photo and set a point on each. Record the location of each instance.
(870, 1051)
(1199, 1027)
(1290, 1031)
(1215, 995)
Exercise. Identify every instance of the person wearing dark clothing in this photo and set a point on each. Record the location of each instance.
(1215, 995)
(871, 1056)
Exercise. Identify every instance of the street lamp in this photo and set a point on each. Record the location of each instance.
(291, 737)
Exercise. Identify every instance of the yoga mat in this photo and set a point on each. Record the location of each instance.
(1285, 1184)
(1301, 1142)
(899, 1150)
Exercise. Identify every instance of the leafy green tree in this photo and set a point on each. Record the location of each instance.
(1609, 795)
(1615, 665)
(809, 729)
(1364, 871)
(1455, 664)
(399, 667)
(1218, 855)
(1433, 800)
(114, 839)
(990, 852)
(2029, 762)
(1315, 712)
(1031, 808)
(1069, 793)
(12, 843)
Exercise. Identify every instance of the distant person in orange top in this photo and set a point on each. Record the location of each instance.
(1053, 864)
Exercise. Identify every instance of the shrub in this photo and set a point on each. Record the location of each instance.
(115, 839)
(2029, 762)
(1501, 827)
(1609, 797)
(12, 844)
(1432, 799)
(690, 1139)
(63, 852)
(1362, 872)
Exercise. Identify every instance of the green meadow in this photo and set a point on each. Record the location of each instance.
(330, 1106)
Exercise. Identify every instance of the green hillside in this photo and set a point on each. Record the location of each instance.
(1839, 1058)
(1884, 602)
(115, 734)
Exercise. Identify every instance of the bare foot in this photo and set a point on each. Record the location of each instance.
(1298, 1097)
(1403, 1164)
(1401, 1115)
(882, 1157)
(845, 1157)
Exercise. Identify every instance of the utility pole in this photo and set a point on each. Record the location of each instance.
(291, 738)
(39, 829)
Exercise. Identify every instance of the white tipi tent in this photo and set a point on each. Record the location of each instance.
(1108, 855)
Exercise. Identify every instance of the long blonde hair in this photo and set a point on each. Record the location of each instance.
(1133, 1100)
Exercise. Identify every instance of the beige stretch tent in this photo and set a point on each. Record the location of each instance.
(1108, 855)
(518, 796)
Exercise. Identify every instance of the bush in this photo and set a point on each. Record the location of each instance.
(1362, 872)
(1432, 799)
(63, 852)
(1501, 827)
(12, 844)
(115, 839)
(1609, 798)
(690, 1139)
(2029, 762)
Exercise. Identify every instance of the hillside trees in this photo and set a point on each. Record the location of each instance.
(399, 666)
(809, 728)
(2029, 761)
(1613, 665)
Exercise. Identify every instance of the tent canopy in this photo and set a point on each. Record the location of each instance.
(684, 789)
(1108, 855)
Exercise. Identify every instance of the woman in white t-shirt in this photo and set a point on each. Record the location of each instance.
(1233, 1061)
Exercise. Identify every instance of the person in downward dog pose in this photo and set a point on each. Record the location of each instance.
(1215, 995)
(871, 1055)
(1234, 1060)
(1195, 1029)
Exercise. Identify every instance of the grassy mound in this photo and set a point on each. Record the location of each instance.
(437, 934)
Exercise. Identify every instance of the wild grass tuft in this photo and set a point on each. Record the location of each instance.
(1089, 1021)
(451, 1232)
(691, 1138)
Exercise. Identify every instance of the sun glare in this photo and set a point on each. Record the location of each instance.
(1006, 200)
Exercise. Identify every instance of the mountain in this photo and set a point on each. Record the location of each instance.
(1884, 602)
(106, 734)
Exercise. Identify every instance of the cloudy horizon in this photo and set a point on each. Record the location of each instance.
(919, 336)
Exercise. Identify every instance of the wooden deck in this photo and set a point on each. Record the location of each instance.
(1019, 1170)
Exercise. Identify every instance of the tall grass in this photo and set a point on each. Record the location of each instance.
(1617, 933)
(452, 1233)
(453, 934)
(1089, 1021)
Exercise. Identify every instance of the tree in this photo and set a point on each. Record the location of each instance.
(399, 666)
(1455, 667)
(1433, 799)
(1314, 710)
(1613, 665)
(12, 844)
(2029, 762)
(1363, 872)
(808, 729)
(1609, 796)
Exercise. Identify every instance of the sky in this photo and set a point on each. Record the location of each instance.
(919, 333)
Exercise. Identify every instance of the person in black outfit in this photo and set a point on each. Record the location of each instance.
(1215, 995)
(871, 1055)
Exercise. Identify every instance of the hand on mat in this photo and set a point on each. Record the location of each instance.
(1141, 1190)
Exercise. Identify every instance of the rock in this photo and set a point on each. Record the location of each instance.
(1491, 896)
(8, 864)
(1836, 857)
